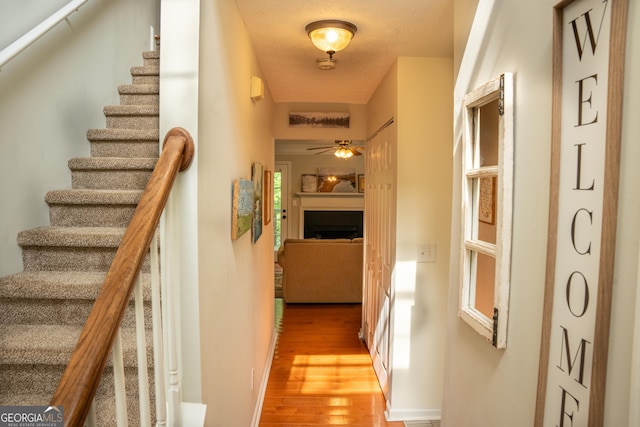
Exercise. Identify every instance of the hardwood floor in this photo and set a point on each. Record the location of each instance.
(321, 373)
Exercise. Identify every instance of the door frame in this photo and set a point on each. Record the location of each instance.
(285, 198)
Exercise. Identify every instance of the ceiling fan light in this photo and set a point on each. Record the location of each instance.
(343, 153)
(331, 36)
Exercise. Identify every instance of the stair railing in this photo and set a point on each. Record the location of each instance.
(8, 53)
(80, 380)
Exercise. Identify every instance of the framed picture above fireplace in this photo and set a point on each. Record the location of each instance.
(336, 180)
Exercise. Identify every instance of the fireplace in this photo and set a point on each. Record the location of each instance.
(333, 224)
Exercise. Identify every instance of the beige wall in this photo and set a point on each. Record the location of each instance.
(484, 386)
(236, 277)
(423, 216)
(417, 93)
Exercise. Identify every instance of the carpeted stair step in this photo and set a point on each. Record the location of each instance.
(70, 248)
(59, 297)
(33, 358)
(132, 116)
(110, 173)
(124, 143)
(145, 75)
(92, 208)
(151, 58)
(52, 345)
(139, 94)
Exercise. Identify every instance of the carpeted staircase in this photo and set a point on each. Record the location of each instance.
(43, 308)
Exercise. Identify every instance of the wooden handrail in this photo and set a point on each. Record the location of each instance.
(80, 380)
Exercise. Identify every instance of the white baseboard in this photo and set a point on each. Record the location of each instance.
(412, 414)
(193, 414)
(263, 383)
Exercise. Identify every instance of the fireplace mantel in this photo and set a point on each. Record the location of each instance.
(318, 194)
(332, 201)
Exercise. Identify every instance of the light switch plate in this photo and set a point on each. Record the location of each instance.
(427, 253)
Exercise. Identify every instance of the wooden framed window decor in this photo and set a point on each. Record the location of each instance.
(487, 194)
(588, 75)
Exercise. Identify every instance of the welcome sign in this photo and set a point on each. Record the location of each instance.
(588, 68)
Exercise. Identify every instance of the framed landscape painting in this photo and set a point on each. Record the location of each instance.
(319, 120)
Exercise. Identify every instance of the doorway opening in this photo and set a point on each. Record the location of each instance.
(280, 223)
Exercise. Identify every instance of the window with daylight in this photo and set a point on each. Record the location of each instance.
(487, 191)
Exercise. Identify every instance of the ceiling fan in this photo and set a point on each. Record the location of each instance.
(342, 149)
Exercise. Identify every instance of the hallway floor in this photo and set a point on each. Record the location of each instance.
(321, 373)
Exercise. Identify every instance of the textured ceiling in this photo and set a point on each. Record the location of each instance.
(387, 29)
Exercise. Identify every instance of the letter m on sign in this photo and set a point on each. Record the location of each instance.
(580, 356)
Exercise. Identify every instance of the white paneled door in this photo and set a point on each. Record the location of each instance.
(379, 255)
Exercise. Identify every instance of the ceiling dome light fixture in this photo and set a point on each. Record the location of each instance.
(331, 35)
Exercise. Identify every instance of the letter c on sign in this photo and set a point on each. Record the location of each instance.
(573, 231)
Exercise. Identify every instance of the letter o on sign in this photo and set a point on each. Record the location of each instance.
(577, 302)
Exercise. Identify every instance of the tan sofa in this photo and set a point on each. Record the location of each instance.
(321, 270)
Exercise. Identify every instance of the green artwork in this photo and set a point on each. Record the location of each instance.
(242, 215)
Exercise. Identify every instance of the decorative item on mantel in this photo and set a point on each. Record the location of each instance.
(336, 180)
(309, 183)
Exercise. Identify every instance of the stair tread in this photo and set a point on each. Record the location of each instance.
(112, 163)
(43, 399)
(123, 134)
(145, 70)
(44, 342)
(93, 197)
(126, 110)
(72, 236)
(139, 89)
(64, 285)
(51, 344)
